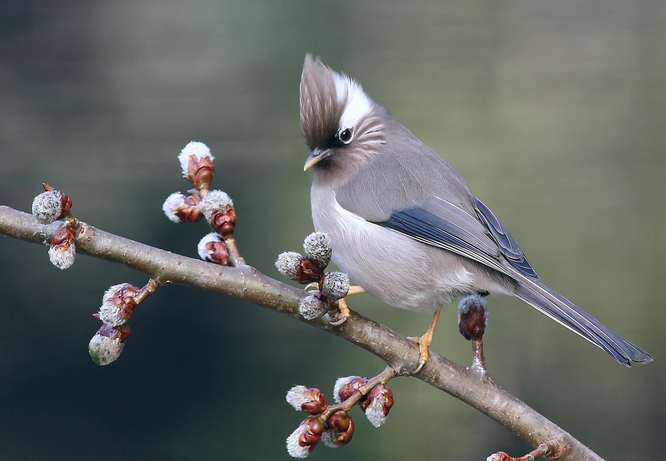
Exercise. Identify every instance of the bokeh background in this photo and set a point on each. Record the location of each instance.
(554, 112)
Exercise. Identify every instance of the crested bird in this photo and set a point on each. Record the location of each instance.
(405, 226)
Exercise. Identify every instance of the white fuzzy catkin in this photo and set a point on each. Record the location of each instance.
(204, 253)
(215, 200)
(336, 285)
(296, 397)
(47, 206)
(473, 300)
(109, 313)
(287, 263)
(104, 350)
(294, 448)
(63, 257)
(317, 246)
(171, 205)
(375, 411)
(312, 307)
(339, 384)
(198, 149)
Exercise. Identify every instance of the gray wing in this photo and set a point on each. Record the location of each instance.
(437, 209)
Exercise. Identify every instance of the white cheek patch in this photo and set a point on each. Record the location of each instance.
(358, 104)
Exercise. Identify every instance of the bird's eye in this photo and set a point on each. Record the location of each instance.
(346, 135)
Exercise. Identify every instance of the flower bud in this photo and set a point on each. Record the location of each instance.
(212, 248)
(339, 430)
(181, 208)
(287, 264)
(335, 285)
(312, 307)
(218, 208)
(118, 303)
(302, 441)
(62, 251)
(196, 163)
(51, 205)
(311, 400)
(107, 344)
(317, 246)
(472, 316)
(346, 387)
(377, 405)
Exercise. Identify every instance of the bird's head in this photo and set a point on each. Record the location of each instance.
(341, 124)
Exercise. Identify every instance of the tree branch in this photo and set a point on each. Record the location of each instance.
(248, 283)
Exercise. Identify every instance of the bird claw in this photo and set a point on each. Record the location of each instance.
(424, 347)
(340, 317)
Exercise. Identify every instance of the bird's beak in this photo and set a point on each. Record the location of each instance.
(315, 157)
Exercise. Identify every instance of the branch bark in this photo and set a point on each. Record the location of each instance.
(248, 283)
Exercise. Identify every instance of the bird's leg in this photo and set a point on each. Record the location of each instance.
(425, 340)
(338, 318)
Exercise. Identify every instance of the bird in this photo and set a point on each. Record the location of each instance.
(405, 226)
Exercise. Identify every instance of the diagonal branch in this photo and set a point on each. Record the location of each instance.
(248, 283)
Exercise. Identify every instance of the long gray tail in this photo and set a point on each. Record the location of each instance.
(571, 316)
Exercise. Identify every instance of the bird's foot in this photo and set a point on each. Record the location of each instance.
(424, 342)
(341, 316)
(424, 347)
(355, 289)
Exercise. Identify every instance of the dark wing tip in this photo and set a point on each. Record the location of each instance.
(507, 245)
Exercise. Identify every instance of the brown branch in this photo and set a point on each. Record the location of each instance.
(248, 283)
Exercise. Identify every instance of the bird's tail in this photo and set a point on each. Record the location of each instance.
(571, 316)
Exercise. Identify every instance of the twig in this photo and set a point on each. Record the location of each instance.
(246, 282)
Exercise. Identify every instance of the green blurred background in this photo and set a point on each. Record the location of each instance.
(554, 112)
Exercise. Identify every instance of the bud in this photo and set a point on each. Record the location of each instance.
(312, 307)
(317, 246)
(472, 316)
(181, 208)
(51, 205)
(118, 304)
(287, 264)
(302, 441)
(218, 208)
(107, 344)
(347, 387)
(196, 163)
(312, 400)
(63, 249)
(309, 270)
(212, 248)
(339, 430)
(377, 405)
(335, 285)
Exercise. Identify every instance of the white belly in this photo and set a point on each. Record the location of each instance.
(395, 268)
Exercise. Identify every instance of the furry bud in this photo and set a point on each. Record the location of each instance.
(312, 307)
(312, 400)
(472, 316)
(62, 251)
(181, 208)
(107, 344)
(302, 441)
(51, 205)
(317, 246)
(118, 303)
(218, 208)
(377, 405)
(212, 248)
(196, 163)
(287, 263)
(339, 430)
(346, 387)
(335, 285)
